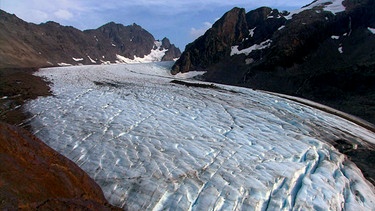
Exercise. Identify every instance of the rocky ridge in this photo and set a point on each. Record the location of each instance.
(324, 52)
(25, 44)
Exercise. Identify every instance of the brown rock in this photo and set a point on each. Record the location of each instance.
(25, 44)
(33, 176)
(17, 86)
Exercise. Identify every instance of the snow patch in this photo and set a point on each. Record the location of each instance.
(155, 55)
(252, 31)
(64, 64)
(281, 27)
(247, 51)
(123, 59)
(105, 62)
(372, 30)
(340, 50)
(333, 6)
(91, 60)
(335, 37)
(77, 59)
(273, 16)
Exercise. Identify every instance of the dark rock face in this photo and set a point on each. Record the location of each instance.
(128, 41)
(315, 54)
(264, 22)
(215, 44)
(25, 44)
(172, 53)
(34, 177)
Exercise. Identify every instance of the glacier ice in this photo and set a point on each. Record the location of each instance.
(154, 145)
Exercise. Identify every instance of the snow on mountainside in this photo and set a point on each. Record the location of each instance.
(153, 145)
(324, 52)
(333, 6)
(51, 44)
(156, 55)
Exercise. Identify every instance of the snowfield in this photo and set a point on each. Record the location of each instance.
(155, 55)
(333, 6)
(154, 145)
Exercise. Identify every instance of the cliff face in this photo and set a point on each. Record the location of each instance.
(34, 176)
(128, 41)
(173, 52)
(50, 44)
(215, 44)
(234, 28)
(324, 52)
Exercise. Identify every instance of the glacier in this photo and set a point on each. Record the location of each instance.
(155, 145)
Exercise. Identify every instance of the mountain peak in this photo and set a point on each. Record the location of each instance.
(230, 28)
(323, 51)
(51, 44)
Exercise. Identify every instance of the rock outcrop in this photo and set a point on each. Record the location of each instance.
(215, 44)
(173, 52)
(128, 41)
(35, 177)
(25, 44)
(324, 52)
(234, 28)
(17, 86)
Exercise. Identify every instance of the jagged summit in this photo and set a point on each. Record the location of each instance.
(214, 45)
(298, 28)
(324, 51)
(51, 44)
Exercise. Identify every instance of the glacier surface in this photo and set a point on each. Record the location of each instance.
(154, 145)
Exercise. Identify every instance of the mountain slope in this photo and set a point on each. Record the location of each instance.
(324, 52)
(50, 44)
(35, 177)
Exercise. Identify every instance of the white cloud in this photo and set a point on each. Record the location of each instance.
(195, 33)
(63, 14)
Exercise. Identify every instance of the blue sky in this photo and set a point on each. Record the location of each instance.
(180, 21)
